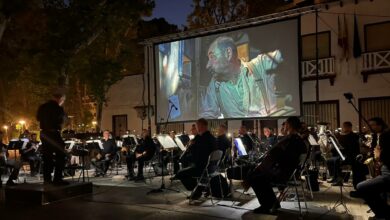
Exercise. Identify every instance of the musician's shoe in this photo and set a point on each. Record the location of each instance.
(60, 183)
(354, 194)
(262, 210)
(10, 183)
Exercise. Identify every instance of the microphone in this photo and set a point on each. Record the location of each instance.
(174, 106)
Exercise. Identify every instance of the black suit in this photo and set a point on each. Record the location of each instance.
(147, 145)
(108, 153)
(282, 159)
(223, 143)
(51, 116)
(203, 145)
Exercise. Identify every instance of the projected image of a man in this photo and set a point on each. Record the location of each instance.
(238, 88)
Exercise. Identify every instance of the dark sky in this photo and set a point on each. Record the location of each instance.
(174, 11)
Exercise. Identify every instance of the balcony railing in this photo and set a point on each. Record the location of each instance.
(326, 69)
(375, 62)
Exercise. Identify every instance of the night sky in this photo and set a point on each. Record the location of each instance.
(174, 11)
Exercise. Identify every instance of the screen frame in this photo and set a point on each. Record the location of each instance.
(154, 44)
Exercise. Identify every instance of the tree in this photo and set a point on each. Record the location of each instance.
(214, 12)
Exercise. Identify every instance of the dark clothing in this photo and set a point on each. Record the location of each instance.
(277, 167)
(53, 155)
(29, 155)
(147, 145)
(8, 163)
(372, 192)
(50, 116)
(350, 143)
(351, 148)
(108, 153)
(223, 143)
(203, 145)
(109, 148)
(268, 142)
(247, 141)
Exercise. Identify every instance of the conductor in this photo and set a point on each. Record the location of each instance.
(51, 116)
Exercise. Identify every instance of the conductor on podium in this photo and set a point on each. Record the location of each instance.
(51, 116)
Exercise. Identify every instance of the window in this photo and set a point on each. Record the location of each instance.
(309, 45)
(328, 112)
(377, 36)
(375, 107)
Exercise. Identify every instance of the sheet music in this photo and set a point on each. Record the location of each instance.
(180, 144)
(240, 147)
(96, 141)
(312, 141)
(166, 141)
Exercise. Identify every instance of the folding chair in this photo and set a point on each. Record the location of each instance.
(210, 171)
(294, 182)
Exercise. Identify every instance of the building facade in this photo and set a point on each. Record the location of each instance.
(365, 75)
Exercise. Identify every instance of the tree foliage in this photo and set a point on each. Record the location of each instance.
(86, 45)
(214, 12)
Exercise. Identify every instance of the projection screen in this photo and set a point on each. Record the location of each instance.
(251, 72)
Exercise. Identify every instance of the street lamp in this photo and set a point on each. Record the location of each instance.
(5, 127)
(22, 123)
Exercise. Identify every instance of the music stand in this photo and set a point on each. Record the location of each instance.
(15, 145)
(167, 143)
(241, 151)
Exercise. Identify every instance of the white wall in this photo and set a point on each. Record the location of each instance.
(127, 93)
(122, 98)
(349, 78)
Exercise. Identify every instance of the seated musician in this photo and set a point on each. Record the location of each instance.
(143, 152)
(6, 162)
(223, 142)
(276, 167)
(172, 156)
(246, 140)
(269, 139)
(186, 157)
(29, 154)
(373, 190)
(104, 158)
(351, 148)
(203, 144)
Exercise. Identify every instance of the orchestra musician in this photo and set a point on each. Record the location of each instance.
(29, 154)
(351, 148)
(6, 162)
(107, 154)
(269, 139)
(223, 142)
(246, 140)
(173, 155)
(203, 144)
(186, 157)
(51, 116)
(143, 152)
(276, 167)
(373, 191)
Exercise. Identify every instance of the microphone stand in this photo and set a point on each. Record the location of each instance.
(162, 186)
(359, 113)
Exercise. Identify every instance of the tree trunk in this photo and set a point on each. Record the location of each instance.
(99, 109)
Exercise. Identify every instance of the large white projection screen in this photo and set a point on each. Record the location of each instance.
(245, 73)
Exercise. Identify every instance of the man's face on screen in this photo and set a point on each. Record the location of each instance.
(218, 60)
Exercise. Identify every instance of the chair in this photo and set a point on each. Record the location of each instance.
(210, 171)
(293, 183)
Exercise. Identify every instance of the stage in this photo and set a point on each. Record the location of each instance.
(114, 198)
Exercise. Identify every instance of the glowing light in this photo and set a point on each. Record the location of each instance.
(22, 122)
(94, 123)
(229, 134)
(5, 127)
